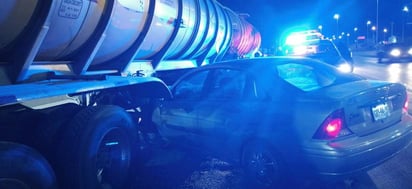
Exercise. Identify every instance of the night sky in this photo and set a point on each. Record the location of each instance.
(274, 17)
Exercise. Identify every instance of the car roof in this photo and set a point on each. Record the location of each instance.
(260, 63)
(262, 60)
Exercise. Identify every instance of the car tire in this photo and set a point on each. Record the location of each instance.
(97, 149)
(263, 165)
(23, 167)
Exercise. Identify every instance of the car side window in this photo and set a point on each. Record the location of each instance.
(227, 84)
(191, 86)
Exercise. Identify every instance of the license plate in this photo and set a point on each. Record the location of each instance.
(380, 111)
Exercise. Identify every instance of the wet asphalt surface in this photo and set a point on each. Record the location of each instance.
(172, 168)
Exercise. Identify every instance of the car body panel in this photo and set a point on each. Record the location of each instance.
(359, 104)
(359, 153)
(271, 104)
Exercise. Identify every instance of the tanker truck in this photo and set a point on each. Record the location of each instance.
(75, 76)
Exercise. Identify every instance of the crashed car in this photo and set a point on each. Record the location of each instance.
(282, 115)
(394, 52)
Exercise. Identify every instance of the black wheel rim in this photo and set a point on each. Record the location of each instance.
(263, 166)
(113, 159)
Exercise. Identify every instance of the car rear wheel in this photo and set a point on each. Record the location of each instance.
(97, 149)
(263, 164)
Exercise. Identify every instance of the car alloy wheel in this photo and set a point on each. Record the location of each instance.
(262, 165)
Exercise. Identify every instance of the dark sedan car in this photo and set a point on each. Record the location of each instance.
(395, 52)
(281, 116)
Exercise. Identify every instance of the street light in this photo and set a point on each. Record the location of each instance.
(336, 17)
(384, 33)
(320, 27)
(367, 30)
(347, 38)
(406, 11)
(355, 30)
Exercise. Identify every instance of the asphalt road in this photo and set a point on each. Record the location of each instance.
(178, 169)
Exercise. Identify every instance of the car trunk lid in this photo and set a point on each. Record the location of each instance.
(370, 105)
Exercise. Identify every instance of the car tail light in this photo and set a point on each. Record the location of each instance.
(406, 105)
(333, 127)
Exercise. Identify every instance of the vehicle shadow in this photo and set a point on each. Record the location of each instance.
(165, 168)
(172, 168)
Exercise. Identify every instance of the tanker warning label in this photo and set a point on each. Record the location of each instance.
(70, 8)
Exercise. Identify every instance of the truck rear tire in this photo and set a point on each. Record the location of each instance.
(50, 129)
(97, 149)
(23, 167)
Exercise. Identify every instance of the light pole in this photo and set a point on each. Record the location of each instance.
(367, 30)
(377, 22)
(320, 27)
(384, 33)
(406, 11)
(355, 30)
(347, 38)
(336, 17)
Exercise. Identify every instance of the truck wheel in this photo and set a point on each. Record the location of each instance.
(22, 167)
(97, 149)
(49, 130)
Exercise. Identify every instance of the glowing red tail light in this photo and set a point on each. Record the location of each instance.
(333, 127)
(406, 105)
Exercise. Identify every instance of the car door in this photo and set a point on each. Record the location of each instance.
(177, 118)
(230, 106)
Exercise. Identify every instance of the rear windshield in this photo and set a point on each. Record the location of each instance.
(305, 77)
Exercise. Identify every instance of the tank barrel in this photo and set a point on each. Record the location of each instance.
(117, 36)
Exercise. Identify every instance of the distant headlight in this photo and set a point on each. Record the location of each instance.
(395, 52)
(345, 67)
(410, 51)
